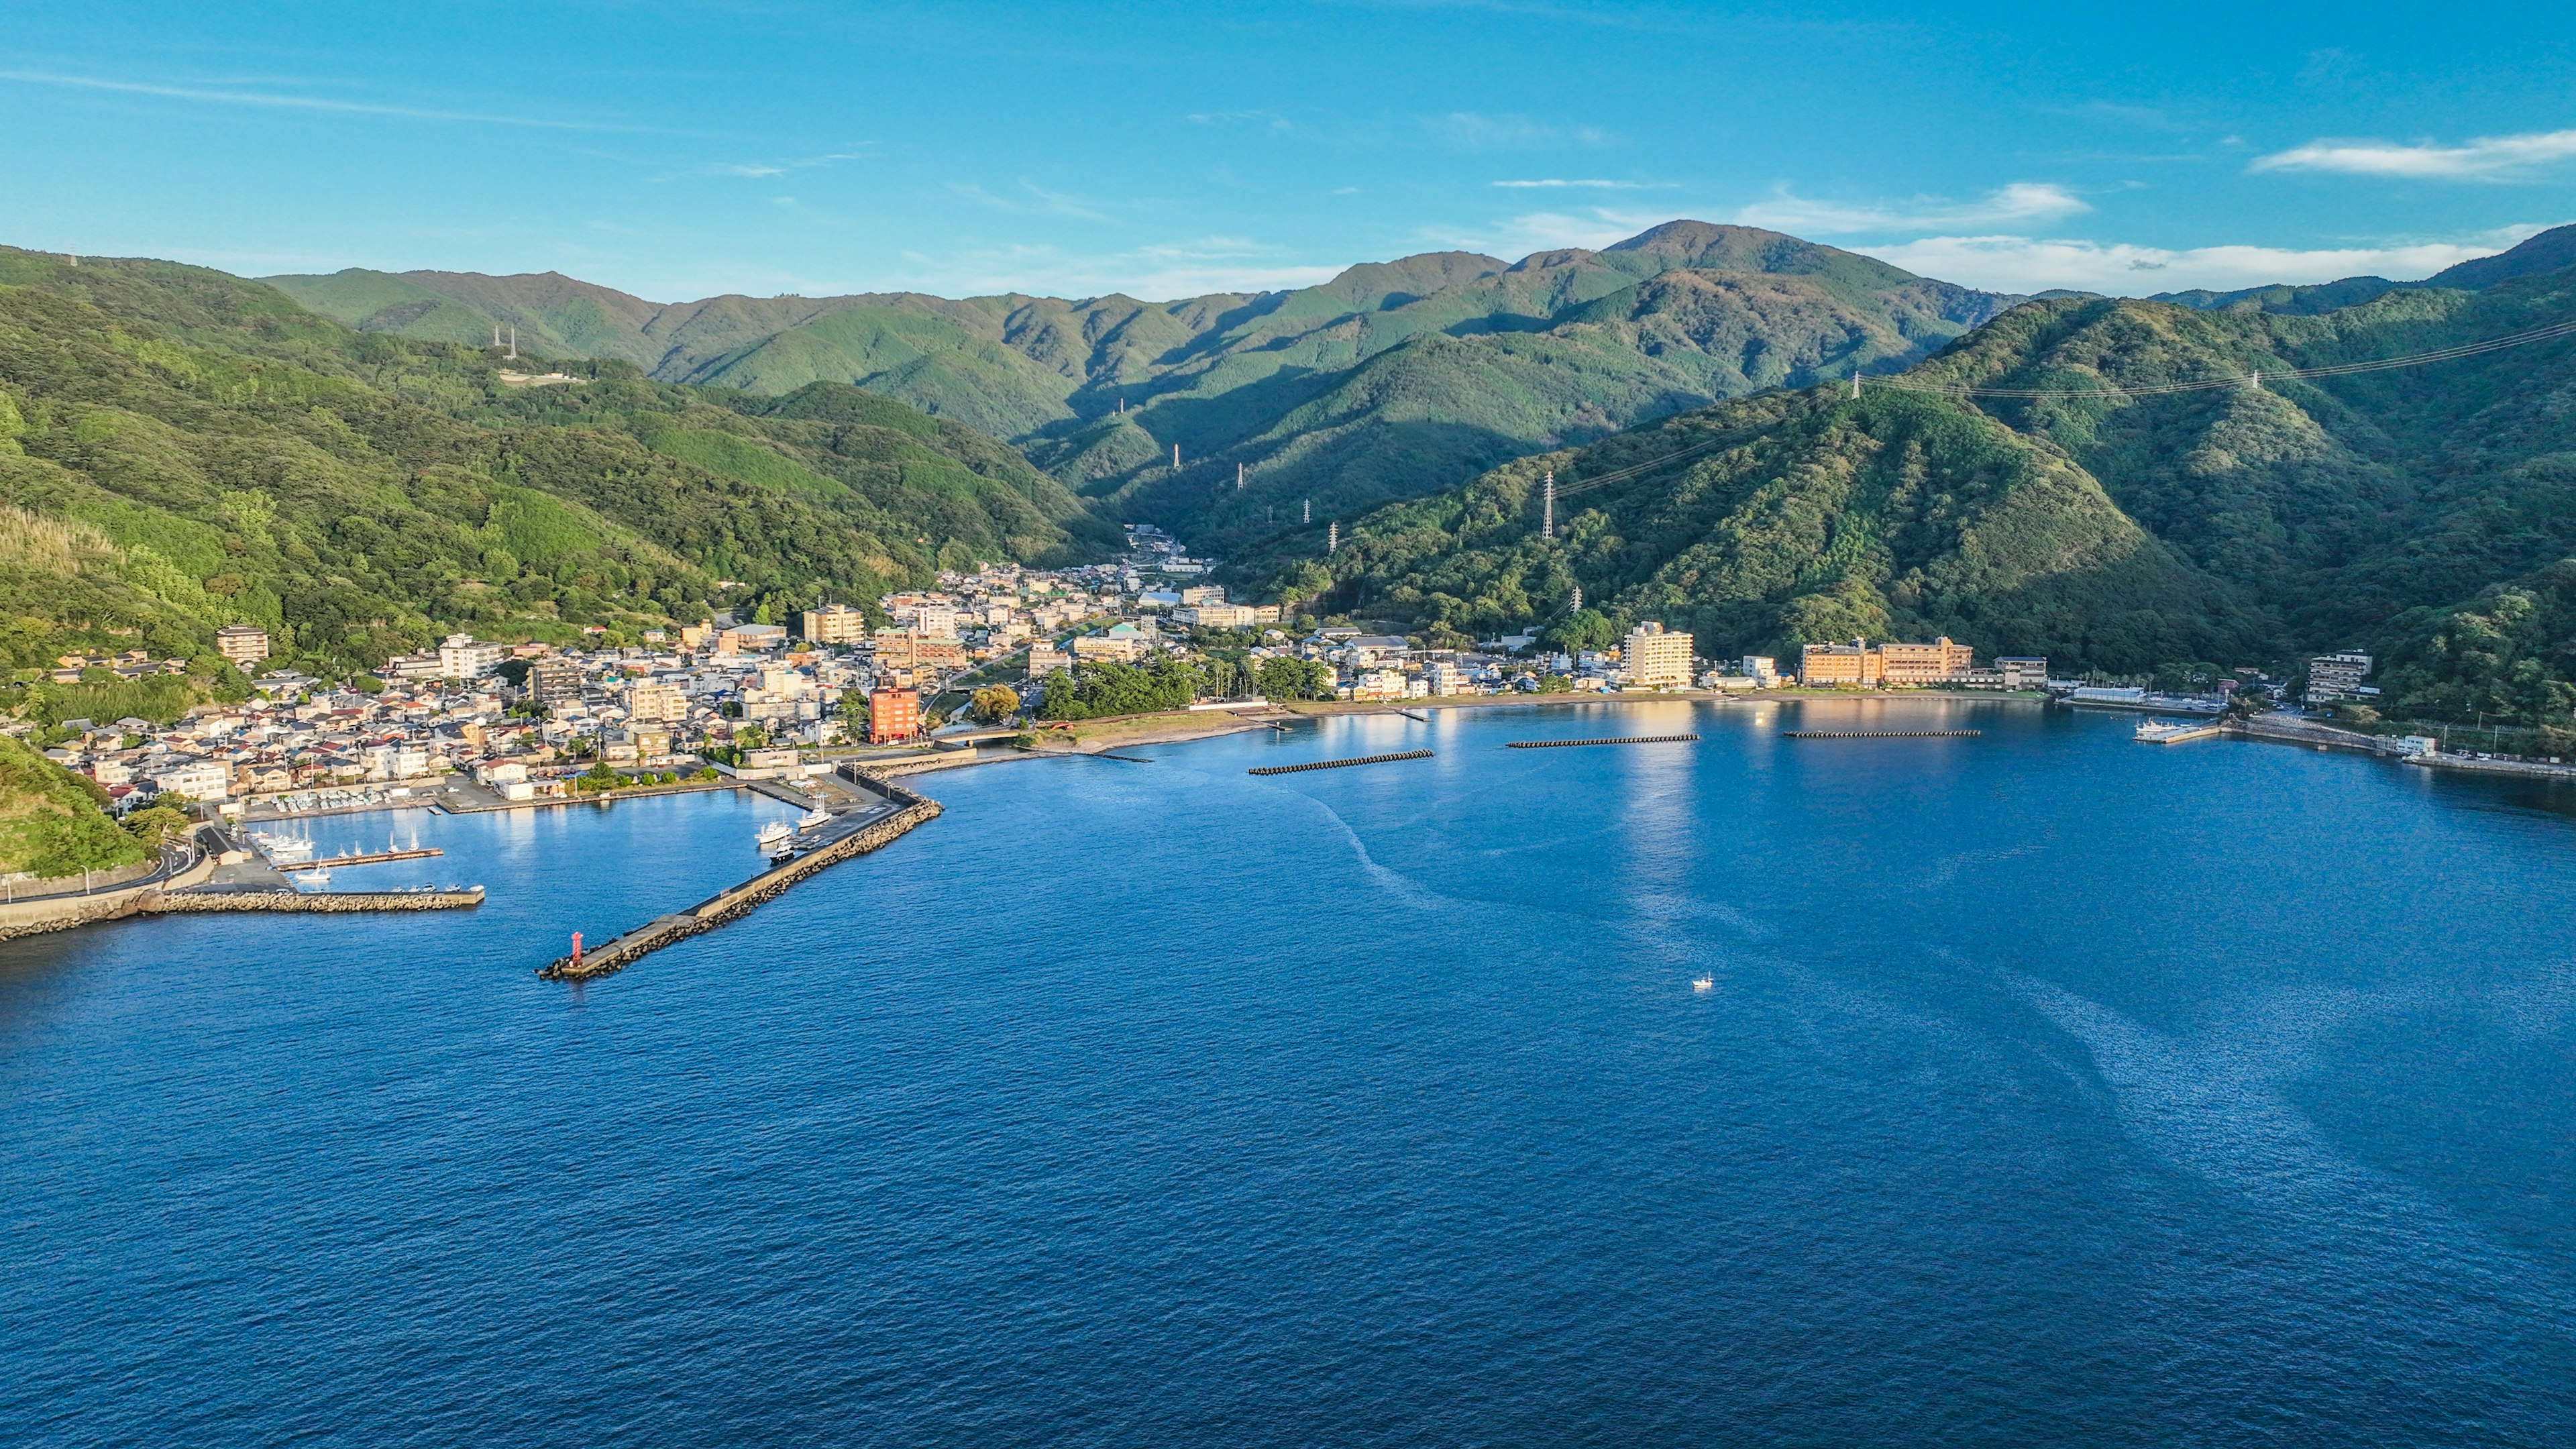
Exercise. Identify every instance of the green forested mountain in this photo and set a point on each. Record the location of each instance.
(180, 449)
(2427, 513)
(1389, 380)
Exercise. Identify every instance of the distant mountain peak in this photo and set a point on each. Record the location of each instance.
(2550, 251)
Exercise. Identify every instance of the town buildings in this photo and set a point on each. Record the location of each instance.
(835, 624)
(242, 644)
(893, 714)
(1858, 664)
(1656, 658)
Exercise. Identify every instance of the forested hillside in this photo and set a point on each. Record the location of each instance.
(2427, 513)
(1389, 381)
(180, 449)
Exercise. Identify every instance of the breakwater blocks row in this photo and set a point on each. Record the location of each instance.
(1620, 740)
(1877, 734)
(1340, 764)
(742, 900)
(321, 902)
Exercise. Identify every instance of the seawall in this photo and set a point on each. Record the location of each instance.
(318, 902)
(741, 900)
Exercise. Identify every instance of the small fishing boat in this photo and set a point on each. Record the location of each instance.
(813, 820)
(775, 840)
(311, 877)
(1703, 983)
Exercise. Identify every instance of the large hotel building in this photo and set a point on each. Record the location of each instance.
(1867, 666)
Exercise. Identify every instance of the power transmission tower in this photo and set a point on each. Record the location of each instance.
(1238, 477)
(1306, 512)
(1176, 457)
(1332, 539)
(1547, 508)
(1855, 379)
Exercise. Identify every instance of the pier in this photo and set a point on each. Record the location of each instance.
(859, 832)
(1610, 740)
(1340, 764)
(1877, 734)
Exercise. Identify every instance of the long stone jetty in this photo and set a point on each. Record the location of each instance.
(742, 900)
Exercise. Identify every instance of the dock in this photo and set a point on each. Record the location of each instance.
(209, 902)
(1610, 740)
(859, 833)
(1340, 764)
(374, 858)
(2158, 732)
(1878, 734)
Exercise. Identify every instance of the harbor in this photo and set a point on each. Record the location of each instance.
(793, 853)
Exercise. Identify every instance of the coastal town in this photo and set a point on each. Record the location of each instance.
(498, 723)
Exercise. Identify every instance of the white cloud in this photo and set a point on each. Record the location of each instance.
(1555, 183)
(1158, 271)
(1546, 231)
(2027, 264)
(2485, 158)
(2020, 201)
(274, 101)
(1033, 199)
(1476, 131)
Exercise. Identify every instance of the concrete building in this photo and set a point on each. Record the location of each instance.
(1122, 647)
(242, 644)
(1657, 658)
(198, 780)
(1762, 669)
(1919, 664)
(2337, 676)
(553, 680)
(905, 649)
(750, 638)
(649, 700)
(893, 714)
(2022, 671)
(1827, 666)
(1219, 615)
(1046, 659)
(835, 624)
(461, 657)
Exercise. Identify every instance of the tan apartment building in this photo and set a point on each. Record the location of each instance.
(835, 624)
(1858, 664)
(1657, 658)
(242, 644)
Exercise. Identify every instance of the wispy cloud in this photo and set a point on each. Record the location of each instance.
(1032, 199)
(778, 168)
(1476, 131)
(1553, 183)
(2020, 201)
(1266, 120)
(2485, 158)
(2031, 264)
(271, 100)
(1156, 271)
(1545, 231)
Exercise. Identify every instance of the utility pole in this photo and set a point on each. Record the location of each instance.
(1332, 539)
(1547, 508)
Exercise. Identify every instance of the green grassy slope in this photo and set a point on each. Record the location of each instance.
(1677, 317)
(2428, 513)
(183, 450)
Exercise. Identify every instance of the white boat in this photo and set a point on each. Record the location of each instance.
(311, 877)
(1703, 983)
(285, 850)
(773, 838)
(813, 820)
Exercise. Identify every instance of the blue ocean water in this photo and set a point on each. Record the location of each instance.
(2047, 1088)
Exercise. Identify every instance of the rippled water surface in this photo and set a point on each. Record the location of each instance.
(2047, 1088)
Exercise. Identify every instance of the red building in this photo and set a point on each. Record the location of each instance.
(893, 714)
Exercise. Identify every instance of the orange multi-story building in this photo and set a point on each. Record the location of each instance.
(1857, 663)
(904, 649)
(893, 714)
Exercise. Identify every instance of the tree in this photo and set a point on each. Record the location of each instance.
(156, 825)
(995, 703)
(1286, 678)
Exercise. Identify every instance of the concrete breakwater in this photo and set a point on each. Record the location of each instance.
(320, 902)
(1611, 740)
(1340, 764)
(741, 900)
(1878, 734)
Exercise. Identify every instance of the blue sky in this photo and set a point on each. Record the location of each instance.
(679, 150)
